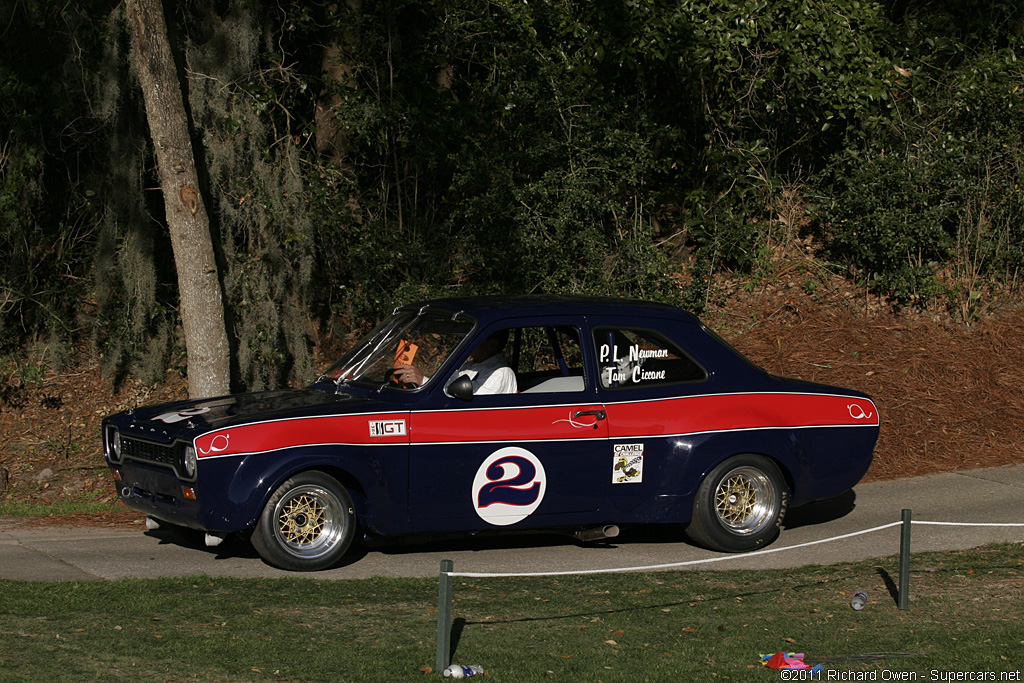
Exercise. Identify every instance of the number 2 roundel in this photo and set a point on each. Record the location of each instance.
(509, 486)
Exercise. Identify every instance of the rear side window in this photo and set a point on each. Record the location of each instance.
(631, 358)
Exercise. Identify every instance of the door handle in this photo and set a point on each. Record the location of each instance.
(599, 414)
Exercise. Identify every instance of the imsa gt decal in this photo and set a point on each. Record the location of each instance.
(387, 427)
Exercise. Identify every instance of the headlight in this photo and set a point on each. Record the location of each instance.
(190, 461)
(114, 445)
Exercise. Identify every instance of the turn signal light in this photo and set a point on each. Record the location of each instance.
(188, 492)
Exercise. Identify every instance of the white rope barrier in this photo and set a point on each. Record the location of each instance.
(444, 611)
(966, 523)
(654, 567)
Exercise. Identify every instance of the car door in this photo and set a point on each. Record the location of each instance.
(643, 370)
(536, 457)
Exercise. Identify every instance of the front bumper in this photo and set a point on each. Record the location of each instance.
(156, 491)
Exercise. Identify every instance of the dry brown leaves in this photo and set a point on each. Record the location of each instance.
(950, 397)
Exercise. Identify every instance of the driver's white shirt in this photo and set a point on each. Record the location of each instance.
(490, 376)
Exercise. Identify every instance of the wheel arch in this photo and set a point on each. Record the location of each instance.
(783, 467)
(781, 447)
(351, 483)
(257, 478)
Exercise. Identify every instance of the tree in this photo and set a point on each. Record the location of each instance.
(199, 289)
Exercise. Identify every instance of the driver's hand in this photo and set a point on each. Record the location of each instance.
(408, 374)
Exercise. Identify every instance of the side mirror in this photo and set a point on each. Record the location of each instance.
(461, 388)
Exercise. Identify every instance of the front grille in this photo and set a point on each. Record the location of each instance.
(148, 451)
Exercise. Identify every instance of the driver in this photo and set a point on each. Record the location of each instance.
(487, 368)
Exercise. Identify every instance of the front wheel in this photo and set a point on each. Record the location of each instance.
(739, 506)
(307, 525)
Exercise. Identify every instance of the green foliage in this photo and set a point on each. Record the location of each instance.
(752, 98)
(933, 204)
(240, 97)
(561, 184)
(134, 280)
(786, 80)
(43, 242)
(481, 164)
(782, 89)
(890, 224)
(361, 154)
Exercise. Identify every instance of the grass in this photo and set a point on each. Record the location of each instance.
(965, 612)
(87, 503)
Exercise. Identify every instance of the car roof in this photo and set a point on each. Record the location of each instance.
(489, 308)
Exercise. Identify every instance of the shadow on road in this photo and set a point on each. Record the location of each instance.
(238, 546)
(821, 512)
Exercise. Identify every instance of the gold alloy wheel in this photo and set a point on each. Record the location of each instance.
(302, 520)
(744, 500)
(310, 521)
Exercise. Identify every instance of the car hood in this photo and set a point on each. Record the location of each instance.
(188, 419)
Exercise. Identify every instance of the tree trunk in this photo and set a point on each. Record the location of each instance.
(199, 290)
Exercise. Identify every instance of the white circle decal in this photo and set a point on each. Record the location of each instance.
(218, 444)
(509, 486)
(171, 418)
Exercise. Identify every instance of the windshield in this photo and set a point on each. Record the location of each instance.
(424, 340)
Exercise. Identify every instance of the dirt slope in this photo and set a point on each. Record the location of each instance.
(950, 396)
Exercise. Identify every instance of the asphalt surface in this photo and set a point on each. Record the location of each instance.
(991, 496)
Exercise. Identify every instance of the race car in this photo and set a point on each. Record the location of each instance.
(590, 414)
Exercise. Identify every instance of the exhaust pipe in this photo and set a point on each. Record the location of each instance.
(597, 533)
(213, 541)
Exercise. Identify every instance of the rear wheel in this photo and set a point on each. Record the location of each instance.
(740, 505)
(307, 525)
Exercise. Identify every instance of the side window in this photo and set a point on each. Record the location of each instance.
(631, 358)
(547, 359)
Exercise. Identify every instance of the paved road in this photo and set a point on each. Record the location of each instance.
(994, 495)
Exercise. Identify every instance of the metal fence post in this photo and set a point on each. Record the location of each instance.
(444, 616)
(903, 594)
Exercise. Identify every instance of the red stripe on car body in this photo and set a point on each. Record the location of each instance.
(732, 412)
(628, 419)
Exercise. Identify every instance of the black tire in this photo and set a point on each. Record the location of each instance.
(739, 506)
(307, 525)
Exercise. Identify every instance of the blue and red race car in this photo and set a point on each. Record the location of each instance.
(469, 414)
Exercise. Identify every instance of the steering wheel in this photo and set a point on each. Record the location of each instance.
(389, 376)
